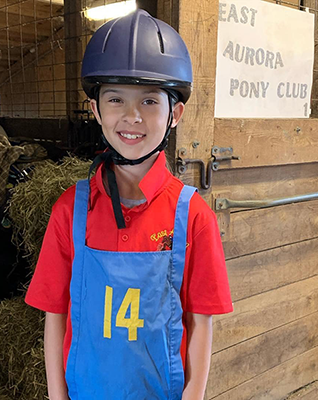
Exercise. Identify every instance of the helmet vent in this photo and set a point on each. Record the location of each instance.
(161, 43)
(108, 34)
(162, 49)
(106, 40)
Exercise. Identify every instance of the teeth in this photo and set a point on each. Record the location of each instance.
(129, 136)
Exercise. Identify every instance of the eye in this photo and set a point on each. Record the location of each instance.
(150, 101)
(114, 100)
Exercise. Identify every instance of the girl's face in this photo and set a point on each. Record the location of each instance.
(134, 118)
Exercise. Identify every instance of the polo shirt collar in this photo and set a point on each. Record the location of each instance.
(155, 180)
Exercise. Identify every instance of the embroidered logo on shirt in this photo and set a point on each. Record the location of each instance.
(157, 236)
(166, 243)
(165, 239)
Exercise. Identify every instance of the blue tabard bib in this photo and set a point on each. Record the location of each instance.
(126, 316)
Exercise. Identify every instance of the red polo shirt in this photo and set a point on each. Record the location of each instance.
(205, 288)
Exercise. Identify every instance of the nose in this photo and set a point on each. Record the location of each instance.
(132, 115)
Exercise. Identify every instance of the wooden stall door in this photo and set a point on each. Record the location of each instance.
(268, 348)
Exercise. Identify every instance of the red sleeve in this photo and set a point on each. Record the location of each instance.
(208, 289)
(49, 288)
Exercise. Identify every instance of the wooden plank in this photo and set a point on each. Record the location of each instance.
(35, 9)
(261, 142)
(258, 230)
(261, 313)
(238, 364)
(7, 19)
(258, 183)
(290, 3)
(267, 182)
(198, 22)
(73, 51)
(309, 392)
(168, 11)
(14, 43)
(275, 383)
(41, 28)
(15, 54)
(257, 273)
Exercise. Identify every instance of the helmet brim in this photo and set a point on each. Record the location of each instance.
(183, 89)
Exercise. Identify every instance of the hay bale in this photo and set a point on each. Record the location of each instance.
(4, 394)
(22, 373)
(32, 201)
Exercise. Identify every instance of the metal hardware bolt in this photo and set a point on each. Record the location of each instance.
(195, 144)
(215, 150)
(298, 129)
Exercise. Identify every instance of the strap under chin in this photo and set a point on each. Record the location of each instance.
(114, 195)
(107, 158)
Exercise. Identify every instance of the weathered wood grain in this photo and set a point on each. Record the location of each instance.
(277, 382)
(266, 182)
(290, 3)
(238, 364)
(256, 183)
(264, 312)
(198, 22)
(309, 392)
(257, 273)
(261, 142)
(257, 230)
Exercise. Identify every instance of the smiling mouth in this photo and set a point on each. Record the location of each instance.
(130, 136)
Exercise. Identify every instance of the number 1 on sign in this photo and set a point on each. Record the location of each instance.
(132, 299)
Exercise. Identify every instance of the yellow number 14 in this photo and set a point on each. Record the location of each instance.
(132, 299)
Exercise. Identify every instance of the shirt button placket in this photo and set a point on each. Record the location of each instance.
(125, 238)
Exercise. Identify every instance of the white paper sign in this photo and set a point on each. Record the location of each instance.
(265, 60)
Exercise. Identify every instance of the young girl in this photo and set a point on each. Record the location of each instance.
(131, 267)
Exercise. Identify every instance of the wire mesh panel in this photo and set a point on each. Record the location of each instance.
(32, 78)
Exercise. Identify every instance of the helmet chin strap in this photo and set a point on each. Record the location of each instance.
(112, 155)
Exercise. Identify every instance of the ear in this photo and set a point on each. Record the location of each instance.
(95, 111)
(177, 112)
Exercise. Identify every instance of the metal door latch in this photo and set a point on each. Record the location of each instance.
(222, 154)
(218, 154)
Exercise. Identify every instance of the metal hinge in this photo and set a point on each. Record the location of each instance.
(218, 154)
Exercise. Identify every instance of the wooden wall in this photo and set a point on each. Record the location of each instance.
(267, 348)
